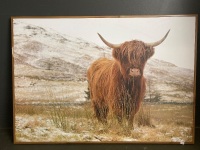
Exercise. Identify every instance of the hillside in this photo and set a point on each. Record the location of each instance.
(44, 56)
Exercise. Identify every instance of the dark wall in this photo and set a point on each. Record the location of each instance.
(10, 8)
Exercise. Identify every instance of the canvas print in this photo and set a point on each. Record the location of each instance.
(105, 79)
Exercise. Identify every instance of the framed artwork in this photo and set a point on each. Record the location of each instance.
(104, 79)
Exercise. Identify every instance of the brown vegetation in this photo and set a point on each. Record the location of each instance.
(152, 123)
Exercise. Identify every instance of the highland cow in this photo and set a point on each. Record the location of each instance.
(118, 85)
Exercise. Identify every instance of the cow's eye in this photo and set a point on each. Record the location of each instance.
(148, 49)
(133, 66)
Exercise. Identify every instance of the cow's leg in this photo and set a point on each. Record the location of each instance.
(101, 113)
(130, 121)
(118, 111)
(124, 113)
(119, 117)
(130, 112)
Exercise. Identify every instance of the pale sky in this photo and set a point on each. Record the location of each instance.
(178, 48)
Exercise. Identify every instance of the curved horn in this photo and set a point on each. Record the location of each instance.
(108, 43)
(158, 42)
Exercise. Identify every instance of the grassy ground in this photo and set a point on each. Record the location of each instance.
(154, 123)
(39, 118)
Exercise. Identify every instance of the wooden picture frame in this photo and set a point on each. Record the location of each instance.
(55, 72)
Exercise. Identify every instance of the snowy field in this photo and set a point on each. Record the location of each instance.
(163, 123)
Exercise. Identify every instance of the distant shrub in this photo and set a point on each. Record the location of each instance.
(156, 97)
(29, 27)
(87, 94)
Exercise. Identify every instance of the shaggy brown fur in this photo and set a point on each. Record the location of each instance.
(112, 86)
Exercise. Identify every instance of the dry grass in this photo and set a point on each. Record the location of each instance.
(143, 117)
(159, 122)
(30, 109)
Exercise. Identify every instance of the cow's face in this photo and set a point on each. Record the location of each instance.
(133, 55)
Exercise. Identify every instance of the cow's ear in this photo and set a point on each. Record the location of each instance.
(116, 53)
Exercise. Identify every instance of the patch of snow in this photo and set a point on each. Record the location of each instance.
(129, 139)
(178, 139)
